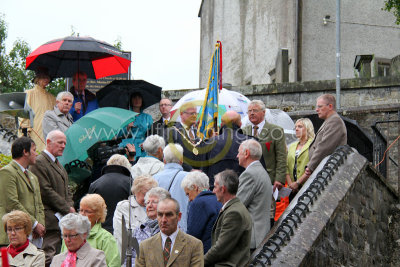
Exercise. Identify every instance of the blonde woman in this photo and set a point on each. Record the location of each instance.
(298, 154)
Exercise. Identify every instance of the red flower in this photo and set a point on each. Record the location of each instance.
(268, 145)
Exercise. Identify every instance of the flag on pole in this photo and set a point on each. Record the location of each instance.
(209, 112)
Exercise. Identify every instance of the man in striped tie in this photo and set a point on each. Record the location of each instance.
(170, 247)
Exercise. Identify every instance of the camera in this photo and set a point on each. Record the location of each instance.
(102, 151)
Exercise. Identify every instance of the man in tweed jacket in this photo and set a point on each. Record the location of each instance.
(185, 250)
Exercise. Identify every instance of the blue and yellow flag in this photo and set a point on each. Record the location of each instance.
(209, 114)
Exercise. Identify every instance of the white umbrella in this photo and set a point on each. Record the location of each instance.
(228, 100)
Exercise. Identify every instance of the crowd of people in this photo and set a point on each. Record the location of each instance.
(172, 200)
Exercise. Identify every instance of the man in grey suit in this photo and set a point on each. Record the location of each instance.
(231, 233)
(53, 181)
(255, 190)
(330, 135)
(59, 118)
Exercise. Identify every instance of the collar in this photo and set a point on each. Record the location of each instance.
(252, 163)
(226, 203)
(96, 228)
(50, 155)
(169, 118)
(260, 126)
(172, 236)
(22, 168)
(173, 166)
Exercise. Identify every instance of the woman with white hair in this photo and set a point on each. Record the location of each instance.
(150, 227)
(113, 186)
(152, 163)
(94, 208)
(203, 209)
(135, 204)
(75, 229)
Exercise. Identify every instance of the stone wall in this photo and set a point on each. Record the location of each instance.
(352, 222)
(358, 231)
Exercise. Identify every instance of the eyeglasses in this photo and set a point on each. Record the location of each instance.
(70, 236)
(162, 105)
(253, 111)
(191, 113)
(151, 203)
(15, 230)
(85, 211)
(320, 106)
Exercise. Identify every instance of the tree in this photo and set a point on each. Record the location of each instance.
(13, 75)
(395, 6)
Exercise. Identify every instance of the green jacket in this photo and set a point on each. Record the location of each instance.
(302, 160)
(272, 140)
(101, 239)
(16, 193)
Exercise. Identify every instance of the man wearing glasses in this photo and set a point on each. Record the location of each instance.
(159, 126)
(272, 140)
(184, 133)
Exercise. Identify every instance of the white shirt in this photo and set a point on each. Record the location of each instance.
(260, 126)
(50, 155)
(172, 237)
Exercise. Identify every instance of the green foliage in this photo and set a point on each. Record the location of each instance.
(4, 160)
(118, 43)
(393, 6)
(13, 75)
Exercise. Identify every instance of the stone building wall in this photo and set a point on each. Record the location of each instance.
(358, 232)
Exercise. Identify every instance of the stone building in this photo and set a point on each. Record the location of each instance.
(260, 36)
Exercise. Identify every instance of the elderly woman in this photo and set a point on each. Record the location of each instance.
(94, 207)
(113, 186)
(297, 158)
(152, 163)
(150, 226)
(18, 226)
(75, 229)
(136, 206)
(203, 208)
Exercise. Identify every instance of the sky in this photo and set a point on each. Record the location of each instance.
(162, 35)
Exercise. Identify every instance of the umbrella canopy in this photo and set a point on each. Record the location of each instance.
(63, 57)
(99, 125)
(118, 93)
(227, 100)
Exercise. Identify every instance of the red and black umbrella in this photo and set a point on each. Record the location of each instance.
(63, 57)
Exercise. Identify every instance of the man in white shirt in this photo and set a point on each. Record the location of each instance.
(56, 197)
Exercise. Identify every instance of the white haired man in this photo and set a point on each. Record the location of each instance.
(59, 118)
(171, 178)
(56, 197)
(255, 191)
(152, 163)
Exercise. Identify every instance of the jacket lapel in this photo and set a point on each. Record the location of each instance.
(54, 165)
(158, 250)
(177, 249)
(22, 175)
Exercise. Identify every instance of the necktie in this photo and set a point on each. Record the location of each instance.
(166, 122)
(167, 250)
(255, 130)
(191, 135)
(83, 103)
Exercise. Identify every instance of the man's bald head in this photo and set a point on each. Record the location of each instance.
(230, 118)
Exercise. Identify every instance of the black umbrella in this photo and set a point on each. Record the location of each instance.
(63, 57)
(356, 137)
(118, 93)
